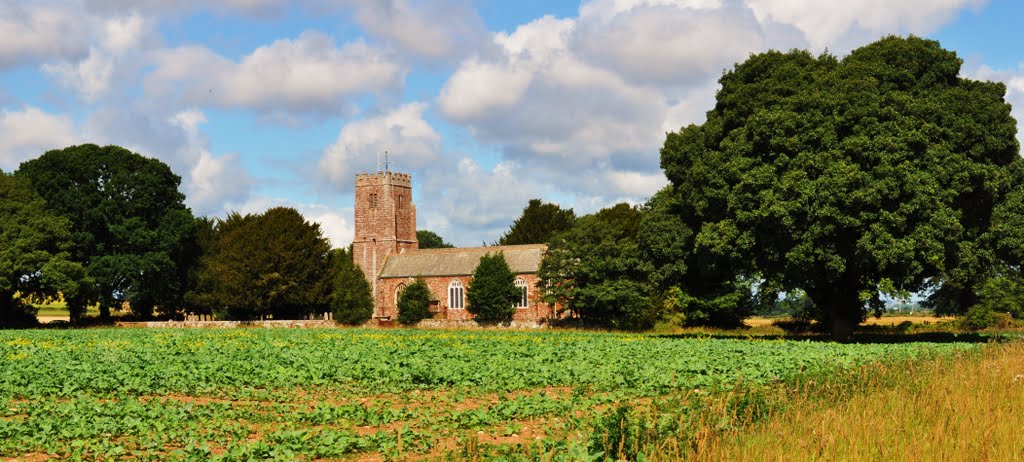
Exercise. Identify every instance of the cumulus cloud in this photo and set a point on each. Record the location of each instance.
(214, 183)
(429, 29)
(306, 74)
(552, 103)
(666, 44)
(410, 140)
(28, 132)
(117, 53)
(827, 23)
(32, 33)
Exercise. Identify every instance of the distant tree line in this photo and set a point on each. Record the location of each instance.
(106, 227)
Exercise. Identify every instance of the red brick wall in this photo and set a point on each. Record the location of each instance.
(387, 303)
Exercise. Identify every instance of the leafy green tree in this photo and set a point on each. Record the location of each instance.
(34, 262)
(431, 240)
(596, 272)
(130, 228)
(493, 293)
(538, 223)
(273, 264)
(847, 179)
(414, 303)
(352, 297)
(692, 292)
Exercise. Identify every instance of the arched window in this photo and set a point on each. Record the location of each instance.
(456, 294)
(398, 292)
(401, 201)
(524, 293)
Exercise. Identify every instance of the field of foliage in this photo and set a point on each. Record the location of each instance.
(245, 394)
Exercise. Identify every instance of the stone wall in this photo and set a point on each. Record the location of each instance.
(471, 324)
(318, 324)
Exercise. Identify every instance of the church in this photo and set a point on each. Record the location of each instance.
(386, 249)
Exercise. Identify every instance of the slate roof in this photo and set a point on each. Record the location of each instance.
(460, 261)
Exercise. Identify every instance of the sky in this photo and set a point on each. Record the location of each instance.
(487, 103)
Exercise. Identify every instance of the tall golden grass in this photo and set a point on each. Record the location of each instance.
(968, 407)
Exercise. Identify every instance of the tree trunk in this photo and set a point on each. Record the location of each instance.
(840, 308)
(104, 311)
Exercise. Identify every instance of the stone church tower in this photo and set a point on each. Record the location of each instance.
(385, 221)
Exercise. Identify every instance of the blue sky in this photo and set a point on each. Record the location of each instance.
(488, 103)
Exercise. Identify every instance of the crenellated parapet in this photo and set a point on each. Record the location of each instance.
(392, 178)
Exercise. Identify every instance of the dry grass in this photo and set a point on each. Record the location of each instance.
(757, 321)
(964, 408)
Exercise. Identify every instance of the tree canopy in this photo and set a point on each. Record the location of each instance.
(537, 224)
(431, 240)
(34, 261)
(493, 293)
(271, 264)
(130, 228)
(595, 271)
(877, 173)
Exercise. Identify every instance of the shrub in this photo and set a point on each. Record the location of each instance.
(981, 316)
(414, 304)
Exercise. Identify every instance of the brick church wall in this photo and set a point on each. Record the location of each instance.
(388, 302)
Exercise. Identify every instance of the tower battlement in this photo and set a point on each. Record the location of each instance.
(393, 178)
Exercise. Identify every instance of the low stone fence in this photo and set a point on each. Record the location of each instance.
(323, 324)
(317, 323)
(471, 324)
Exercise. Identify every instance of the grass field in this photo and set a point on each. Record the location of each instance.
(333, 394)
(964, 407)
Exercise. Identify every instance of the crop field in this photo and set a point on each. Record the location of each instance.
(336, 394)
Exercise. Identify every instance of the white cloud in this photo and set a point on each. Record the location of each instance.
(305, 74)
(214, 183)
(826, 23)
(31, 33)
(431, 29)
(549, 103)
(410, 140)
(116, 56)
(29, 132)
(670, 45)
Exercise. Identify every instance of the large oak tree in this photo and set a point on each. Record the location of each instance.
(846, 178)
(130, 228)
(34, 258)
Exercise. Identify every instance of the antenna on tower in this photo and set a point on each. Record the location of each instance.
(386, 163)
(378, 161)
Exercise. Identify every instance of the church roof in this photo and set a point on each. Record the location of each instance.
(460, 261)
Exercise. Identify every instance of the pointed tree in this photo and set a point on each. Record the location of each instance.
(352, 297)
(273, 264)
(493, 292)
